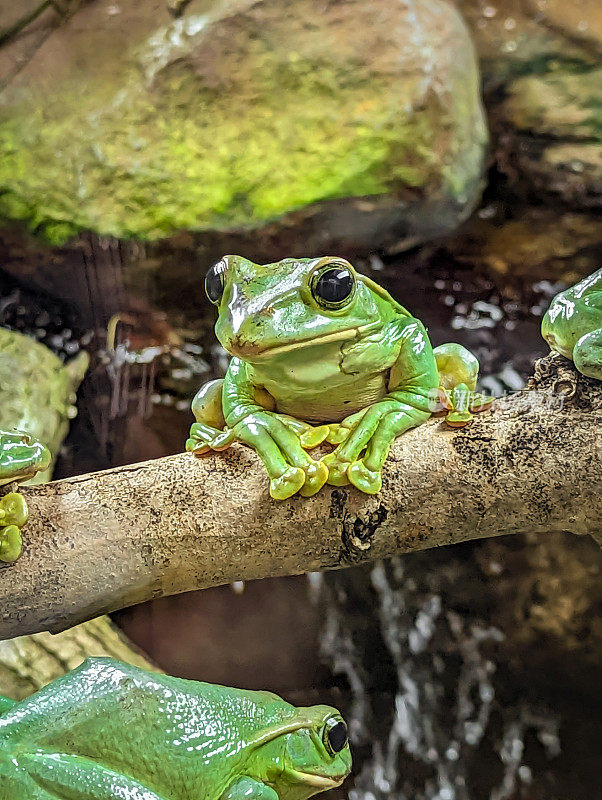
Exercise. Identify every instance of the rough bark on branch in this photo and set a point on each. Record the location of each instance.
(100, 542)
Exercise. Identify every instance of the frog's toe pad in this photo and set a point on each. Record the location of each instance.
(458, 419)
(480, 402)
(287, 484)
(10, 543)
(312, 437)
(364, 479)
(316, 477)
(196, 447)
(337, 470)
(337, 433)
(14, 509)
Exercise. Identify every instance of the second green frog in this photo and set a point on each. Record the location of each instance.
(321, 353)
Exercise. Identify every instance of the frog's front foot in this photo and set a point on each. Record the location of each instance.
(286, 485)
(279, 446)
(316, 475)
(342, 473)
(10, 544)
(312, 437)
(364, 479)
(462, 404)
(13, 515)
(336, 469)
(203, 439)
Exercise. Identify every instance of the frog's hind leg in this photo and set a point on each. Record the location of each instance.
(66, 777)
(587, 354)
(458, 372)
(209, 432)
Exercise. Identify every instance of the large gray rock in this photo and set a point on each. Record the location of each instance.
(126, 122)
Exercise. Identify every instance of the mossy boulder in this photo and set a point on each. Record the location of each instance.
(127, 123)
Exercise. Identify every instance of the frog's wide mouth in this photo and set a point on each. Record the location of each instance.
(315, 779)
(251, 352)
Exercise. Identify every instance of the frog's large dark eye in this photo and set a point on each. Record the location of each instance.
(334, 735)
(214, 282)
(333, 286)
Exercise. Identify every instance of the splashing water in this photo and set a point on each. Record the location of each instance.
(422, 685)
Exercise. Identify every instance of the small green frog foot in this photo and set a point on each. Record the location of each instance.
(337, 469)
(204, 439)
(364, 479)
(337, 433)
(11, 544)
(13, 516)
(463, 404)
(286, 485)
(309, 436)
(316, 475)
(307, 480)
(312, 437)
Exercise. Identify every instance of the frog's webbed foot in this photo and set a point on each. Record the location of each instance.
(373, 433)
(11, 544)
(13, 516)
(209, 432)
(289, 467)
(310, 436)
(462, 403)
(341, 431)
(203, 439)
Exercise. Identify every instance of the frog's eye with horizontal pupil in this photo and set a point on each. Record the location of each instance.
(333, 286)
(334, 735)
(214, 282)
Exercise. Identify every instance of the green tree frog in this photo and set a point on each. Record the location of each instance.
(110, 731)
(572, 326)
(321, 353)
(21, 457)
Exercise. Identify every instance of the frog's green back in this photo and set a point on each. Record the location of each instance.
(117, 715)
(574, 313)
(6, 704)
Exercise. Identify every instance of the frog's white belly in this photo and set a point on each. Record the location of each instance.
(331, 404)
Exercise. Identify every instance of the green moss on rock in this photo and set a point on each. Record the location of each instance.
(245, 118)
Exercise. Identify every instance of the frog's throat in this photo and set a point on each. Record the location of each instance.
(313, 779)
(337, 336)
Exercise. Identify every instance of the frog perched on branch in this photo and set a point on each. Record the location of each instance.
(321, 353)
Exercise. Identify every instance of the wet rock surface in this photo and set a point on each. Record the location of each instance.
(127, 122)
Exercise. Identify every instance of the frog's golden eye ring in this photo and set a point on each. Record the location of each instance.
(335, 735)
(333, 286)
(214, 282)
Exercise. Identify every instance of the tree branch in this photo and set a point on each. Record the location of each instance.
(100, 542)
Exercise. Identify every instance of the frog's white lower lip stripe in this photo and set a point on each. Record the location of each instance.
(319, 781)
(348, 333)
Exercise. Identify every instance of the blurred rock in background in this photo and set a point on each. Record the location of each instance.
(125, 122)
